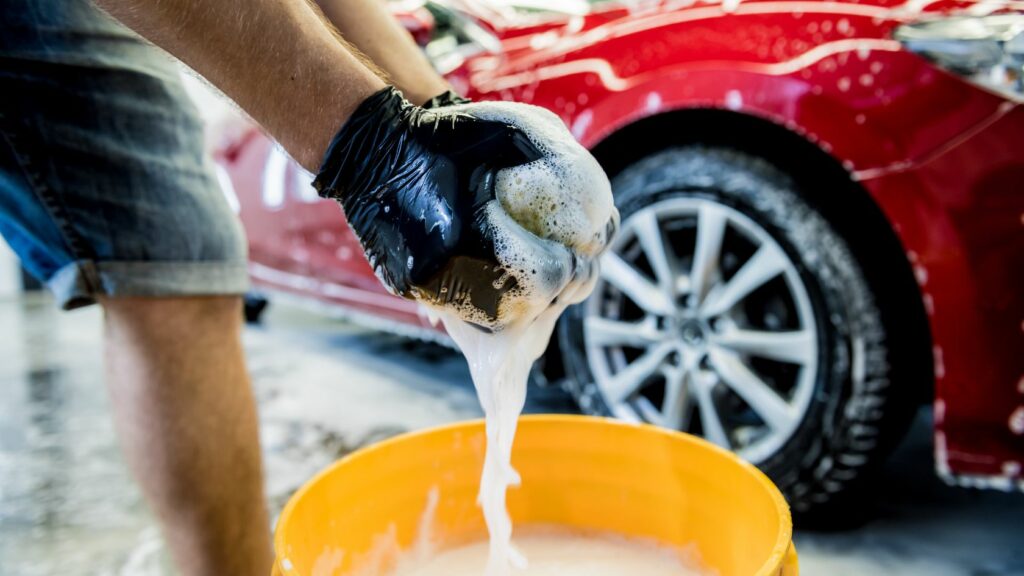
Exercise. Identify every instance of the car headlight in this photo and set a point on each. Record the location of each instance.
(987, 50)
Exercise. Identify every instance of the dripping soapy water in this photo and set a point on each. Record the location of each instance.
(551, 221)
(499, 364)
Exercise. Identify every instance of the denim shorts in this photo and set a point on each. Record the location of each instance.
(105, 187)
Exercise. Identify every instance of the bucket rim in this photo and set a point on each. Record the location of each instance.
(772, 566)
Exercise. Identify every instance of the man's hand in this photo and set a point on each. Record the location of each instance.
(432, 195)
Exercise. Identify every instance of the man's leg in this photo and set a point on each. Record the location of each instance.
(187, 424)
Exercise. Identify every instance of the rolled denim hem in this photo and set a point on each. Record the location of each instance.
(79, 283)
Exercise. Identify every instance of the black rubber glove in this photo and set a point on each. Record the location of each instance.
(448, 98)
(414, 184)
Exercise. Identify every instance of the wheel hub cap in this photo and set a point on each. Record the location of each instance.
(692, 333)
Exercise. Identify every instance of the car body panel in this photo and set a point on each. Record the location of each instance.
(960, 216)
(934, 152)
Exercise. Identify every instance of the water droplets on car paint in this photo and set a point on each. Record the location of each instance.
(920, 274)
(575, 24)
(733, 100)
(544, 40)
(730, 5)
(653, 102)
(1017, 421)
(582, 122)
(638, 7)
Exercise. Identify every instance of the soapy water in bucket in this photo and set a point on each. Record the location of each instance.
(559, 552)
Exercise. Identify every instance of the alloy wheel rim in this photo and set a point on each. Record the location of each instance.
(701, 322)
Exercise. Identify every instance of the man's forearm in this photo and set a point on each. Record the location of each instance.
(374, 31)
(276, 58)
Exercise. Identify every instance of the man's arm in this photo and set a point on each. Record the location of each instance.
(276, 58)
(371, 27)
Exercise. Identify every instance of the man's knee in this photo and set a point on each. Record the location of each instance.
(198, 313)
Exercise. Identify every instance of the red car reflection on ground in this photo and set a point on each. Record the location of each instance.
(823, 222)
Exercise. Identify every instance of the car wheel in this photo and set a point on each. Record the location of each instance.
(730, 308)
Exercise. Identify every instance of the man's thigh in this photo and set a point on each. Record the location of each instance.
(105, 189)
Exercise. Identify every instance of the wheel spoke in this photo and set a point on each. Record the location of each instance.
(711, 422)
(767, 263)
(711, 221)
(604, 332)
(678, 402)
(624, 384)
(775, 411)
(648, 232)
(648, 412)
(681, 285)
(639, 289)
(796, 347)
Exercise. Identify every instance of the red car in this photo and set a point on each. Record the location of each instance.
(823, 221)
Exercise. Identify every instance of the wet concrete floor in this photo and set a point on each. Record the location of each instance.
(69, 507)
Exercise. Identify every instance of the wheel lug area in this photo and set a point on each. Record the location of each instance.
(704, 363)
(662, 323)
(692, 333)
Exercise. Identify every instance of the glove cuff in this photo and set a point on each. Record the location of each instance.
(374, 126)
(448, 98)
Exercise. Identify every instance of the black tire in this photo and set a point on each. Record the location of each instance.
(253, 306)
(857, 413)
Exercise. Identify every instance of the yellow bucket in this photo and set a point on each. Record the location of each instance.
(578, 472)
